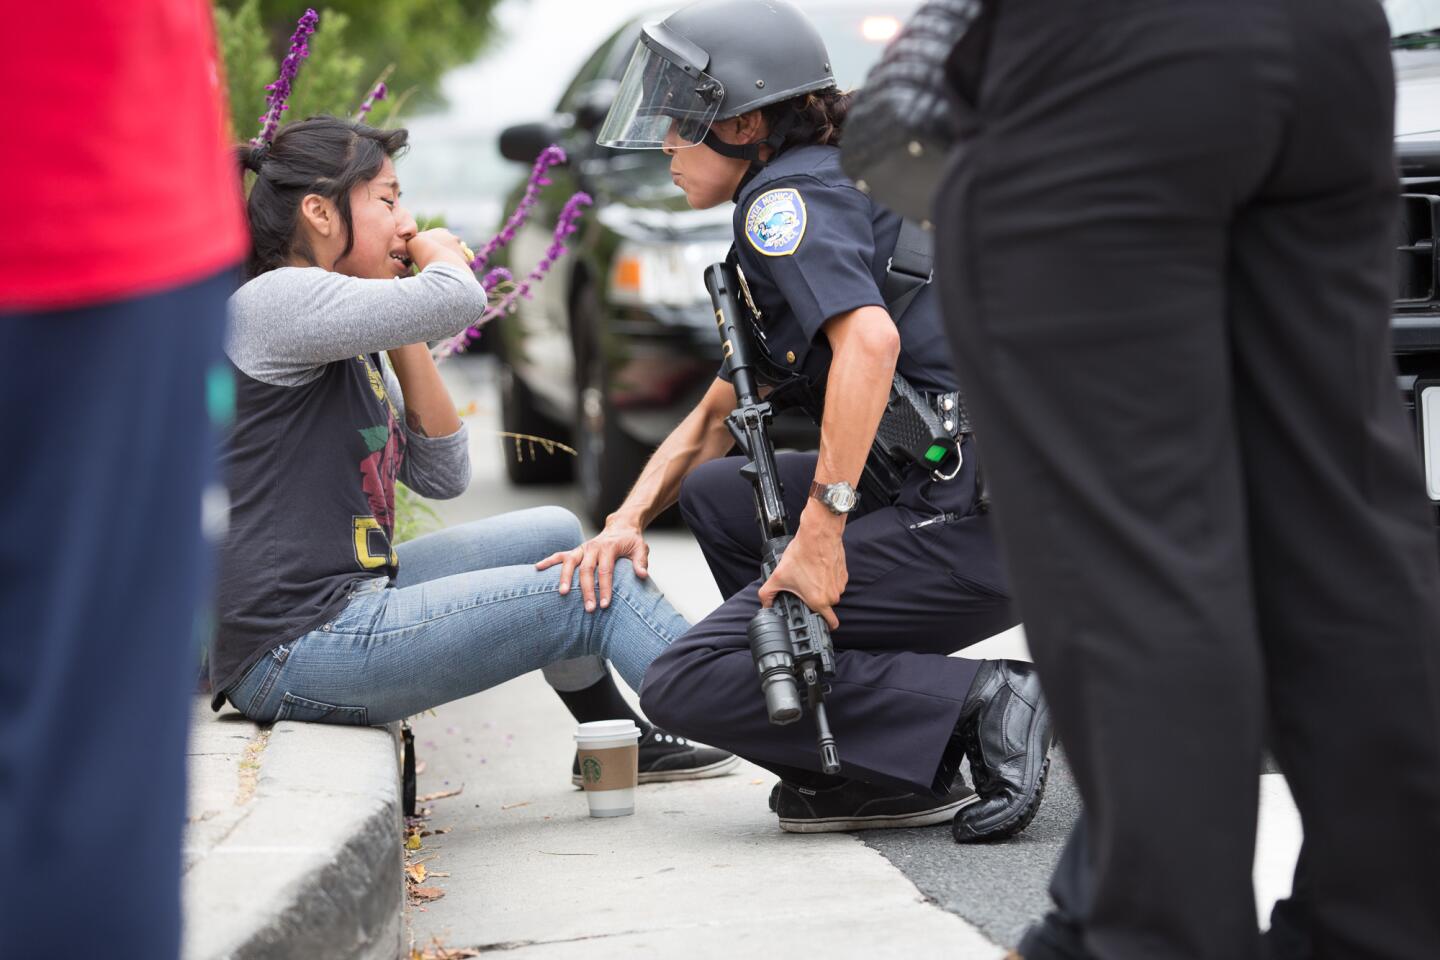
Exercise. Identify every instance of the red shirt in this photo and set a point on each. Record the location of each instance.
(116, 177)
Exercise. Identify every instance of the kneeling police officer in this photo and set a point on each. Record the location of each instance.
(740, 95)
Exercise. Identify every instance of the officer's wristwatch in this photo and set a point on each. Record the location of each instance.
(839, 498)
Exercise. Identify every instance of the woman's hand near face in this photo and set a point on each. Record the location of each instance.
(436, 246)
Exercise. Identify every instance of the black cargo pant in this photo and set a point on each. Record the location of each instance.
(1167, 257)
(918, 590)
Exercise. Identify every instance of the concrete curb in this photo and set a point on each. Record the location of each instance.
(293, 847)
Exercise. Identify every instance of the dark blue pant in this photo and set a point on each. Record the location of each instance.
(101, 567)
(916, 593)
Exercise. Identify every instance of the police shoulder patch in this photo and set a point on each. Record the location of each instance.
(775, 222)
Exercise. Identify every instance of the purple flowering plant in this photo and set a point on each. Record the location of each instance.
(566, 224)
(378, 94)
(289, 69)
(548, 158)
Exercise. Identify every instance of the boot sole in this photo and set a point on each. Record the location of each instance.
(892, 821)
(1012, 825)
(719, 768)
(1019, 819)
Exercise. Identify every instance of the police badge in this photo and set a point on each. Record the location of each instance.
(775, 223)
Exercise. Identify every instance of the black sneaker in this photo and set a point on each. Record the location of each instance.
(665, 757)
(857, 805)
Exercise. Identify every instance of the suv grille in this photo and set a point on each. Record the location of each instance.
(1419, 225)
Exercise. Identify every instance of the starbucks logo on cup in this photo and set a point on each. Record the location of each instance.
(608, 765)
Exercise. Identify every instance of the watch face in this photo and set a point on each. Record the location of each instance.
(842, 498)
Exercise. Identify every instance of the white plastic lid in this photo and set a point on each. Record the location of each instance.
(607, 730)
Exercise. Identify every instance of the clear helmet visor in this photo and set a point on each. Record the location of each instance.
(660, 103)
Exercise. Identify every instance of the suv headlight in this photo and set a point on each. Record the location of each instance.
(663, 274)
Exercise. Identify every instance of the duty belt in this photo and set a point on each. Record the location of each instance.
(953, 413)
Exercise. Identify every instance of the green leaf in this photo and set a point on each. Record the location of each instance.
(414, 517)
(249, 66)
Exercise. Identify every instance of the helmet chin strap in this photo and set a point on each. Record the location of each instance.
(750, 151)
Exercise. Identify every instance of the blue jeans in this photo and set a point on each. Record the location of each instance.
(468, 611)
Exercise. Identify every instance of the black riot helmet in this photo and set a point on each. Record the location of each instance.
(710, 61)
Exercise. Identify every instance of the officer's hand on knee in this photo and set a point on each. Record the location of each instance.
(596, 559)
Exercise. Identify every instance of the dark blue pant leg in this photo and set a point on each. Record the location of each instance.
(719, 508)
(102, 564)
(914, 596)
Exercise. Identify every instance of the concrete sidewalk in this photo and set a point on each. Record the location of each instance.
(700, 870)
(293, 843)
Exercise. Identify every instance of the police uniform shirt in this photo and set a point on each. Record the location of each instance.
(813, 247)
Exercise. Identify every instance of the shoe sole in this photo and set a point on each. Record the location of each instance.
(717, 769)
(893, 821)
(1018, 820)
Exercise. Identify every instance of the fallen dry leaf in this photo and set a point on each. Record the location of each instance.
(440, 796)
(512, 806)
(437, 873)
(437, 952)
(413, 842)
(426, 893)
(416, 872)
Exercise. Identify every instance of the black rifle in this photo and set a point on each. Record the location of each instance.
(789, 642)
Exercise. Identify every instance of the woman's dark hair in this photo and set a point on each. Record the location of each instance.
(813, 118)
(321, 155)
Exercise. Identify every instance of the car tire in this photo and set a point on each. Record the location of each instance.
(608, 460)
(529, 463)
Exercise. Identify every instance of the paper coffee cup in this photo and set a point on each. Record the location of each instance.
(609, 753)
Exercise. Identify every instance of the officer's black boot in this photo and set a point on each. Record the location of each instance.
(1005, 730)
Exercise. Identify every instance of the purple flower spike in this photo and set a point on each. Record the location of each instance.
(377, 94)
(548, 158)
(496, 277)
(289, 68)
(567, 223)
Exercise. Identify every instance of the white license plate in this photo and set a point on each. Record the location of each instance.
(1429, 407)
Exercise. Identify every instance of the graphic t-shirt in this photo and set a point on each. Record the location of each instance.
(312, 472)
(318, 443)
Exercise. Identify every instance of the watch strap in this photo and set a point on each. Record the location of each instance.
(819, 490)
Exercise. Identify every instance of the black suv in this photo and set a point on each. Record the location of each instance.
(1416, 326)
(620, 343)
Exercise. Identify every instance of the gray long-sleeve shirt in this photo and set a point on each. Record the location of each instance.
(318, 443)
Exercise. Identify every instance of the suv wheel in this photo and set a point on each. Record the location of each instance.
(609, 459)
(529, 463)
